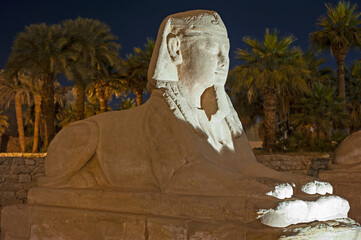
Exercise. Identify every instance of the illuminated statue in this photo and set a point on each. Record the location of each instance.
(186, 139)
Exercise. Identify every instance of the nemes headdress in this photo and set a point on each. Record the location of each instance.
(194, 23)
(163, 72)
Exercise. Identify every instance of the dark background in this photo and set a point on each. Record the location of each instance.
(134, 21)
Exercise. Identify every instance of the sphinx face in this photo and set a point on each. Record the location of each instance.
(205, 63)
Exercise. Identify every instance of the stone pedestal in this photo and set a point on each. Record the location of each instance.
(15, 222)
(107, 214)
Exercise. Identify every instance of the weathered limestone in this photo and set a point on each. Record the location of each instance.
(179, 166)
(187, 138)
(152, 203)
(15, 224)
(349, 151)
(307, 165)
(17, 176)
(137, 215)
(299, 164)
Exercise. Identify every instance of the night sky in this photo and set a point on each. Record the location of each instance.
(133, 21)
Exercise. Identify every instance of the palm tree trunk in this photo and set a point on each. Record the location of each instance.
(43, 131)
(80, 100)
(36, 123)
(103, 105)
(48, 109)
(341, 76)
(139, 98)
(19, 120)
(100, 91)
(270, 119)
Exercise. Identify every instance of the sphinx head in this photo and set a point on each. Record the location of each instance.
(192, 48)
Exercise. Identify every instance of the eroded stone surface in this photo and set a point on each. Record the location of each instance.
(349, 150)
(162, 228)
(15, 222)
(63, 224)
(187, 138)
(153, 203)
(69, 223)
(17, 176)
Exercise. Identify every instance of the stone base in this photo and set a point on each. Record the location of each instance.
(238, 209)
(109, 214)
(61, 223)
(89, 214)
(15, 222)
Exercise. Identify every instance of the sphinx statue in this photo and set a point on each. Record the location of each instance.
(186, 139)
(349, 151)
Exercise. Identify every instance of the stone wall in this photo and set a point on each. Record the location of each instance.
(17, 175)
(301, 164)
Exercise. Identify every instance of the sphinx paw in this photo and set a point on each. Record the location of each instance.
(317, 187)
(299, 211)
(281, 191)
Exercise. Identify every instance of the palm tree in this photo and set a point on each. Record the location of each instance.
(320, 113)
(339, 31)
(39, 51)
(135, 69)
(105, 85)
(353, 95)
(35, 87)
(92, 50)
(271, 68)
(13, 89)
(318, 74)
(66, 116)
(248, 110)
(67, 113)
(126, 103)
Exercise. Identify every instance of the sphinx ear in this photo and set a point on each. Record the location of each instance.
(173, 45)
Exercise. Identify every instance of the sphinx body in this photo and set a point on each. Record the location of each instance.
(187, 138)
(148, 148)
(349, 151)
